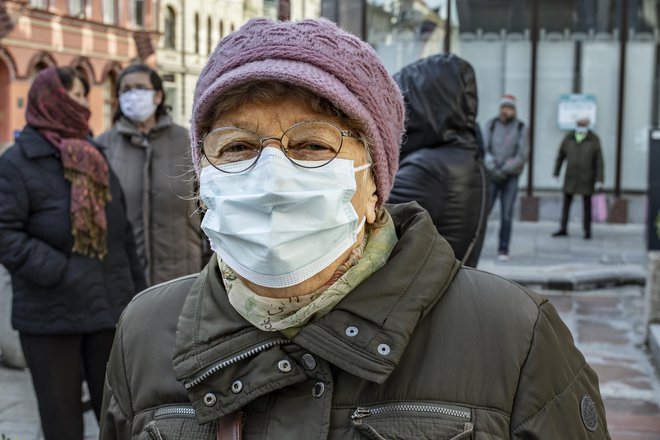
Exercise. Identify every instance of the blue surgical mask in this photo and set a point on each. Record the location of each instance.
(581, 130)
(138, 105)
(279, 224)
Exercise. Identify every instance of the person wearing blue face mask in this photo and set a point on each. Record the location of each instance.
(150, 156)
(326, 313)
(584, 172)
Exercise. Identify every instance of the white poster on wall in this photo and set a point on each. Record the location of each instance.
(576, 106)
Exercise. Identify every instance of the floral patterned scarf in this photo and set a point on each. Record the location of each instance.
(289, 314)
(63, 122)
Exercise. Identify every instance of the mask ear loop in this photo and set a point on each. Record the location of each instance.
(362, 167)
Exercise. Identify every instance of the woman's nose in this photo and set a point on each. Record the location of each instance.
(271, 142)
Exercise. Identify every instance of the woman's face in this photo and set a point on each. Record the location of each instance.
(273, 119)
(139, 81)
(77, 93)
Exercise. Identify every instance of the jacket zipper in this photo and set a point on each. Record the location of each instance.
(167, 411)
(223, 364)
(362, 412)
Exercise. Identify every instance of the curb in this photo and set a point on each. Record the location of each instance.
(654, 345)
(564, 277)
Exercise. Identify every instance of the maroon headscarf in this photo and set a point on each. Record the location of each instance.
(63, 122)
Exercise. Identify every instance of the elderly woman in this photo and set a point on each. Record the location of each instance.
(324, 314)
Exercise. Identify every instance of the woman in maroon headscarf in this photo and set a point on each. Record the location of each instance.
(66, 241)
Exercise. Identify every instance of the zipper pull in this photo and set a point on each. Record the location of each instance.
(359, 414)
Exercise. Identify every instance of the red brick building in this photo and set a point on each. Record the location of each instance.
(97, 37)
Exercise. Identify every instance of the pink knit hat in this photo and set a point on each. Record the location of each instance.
(318, 56)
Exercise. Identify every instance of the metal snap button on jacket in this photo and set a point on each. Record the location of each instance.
(209, 399)
(308, 361)
(352, 331)
(284, 366)
(318, 390)
(384, 349)
(237, 387)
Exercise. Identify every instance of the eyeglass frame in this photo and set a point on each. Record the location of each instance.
(342, 135)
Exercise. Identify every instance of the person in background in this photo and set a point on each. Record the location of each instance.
(584, 173)
(150, 155)
(325, 313)
(440, 165)
(68, 245)
(505, 140)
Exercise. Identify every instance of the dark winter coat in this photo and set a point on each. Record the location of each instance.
(57, 291)
(584, 163)
(421, 349)
(440, 164)
(155, 172)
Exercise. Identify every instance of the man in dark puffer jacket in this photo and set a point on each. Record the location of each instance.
(440, 166)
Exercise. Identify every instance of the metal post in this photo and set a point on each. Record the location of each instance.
(623, 31)
(447, 43)
(532, 96)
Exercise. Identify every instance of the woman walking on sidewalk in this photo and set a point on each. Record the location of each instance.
(65, 239)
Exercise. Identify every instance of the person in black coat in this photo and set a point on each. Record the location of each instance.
(65, 239)
(441, 165)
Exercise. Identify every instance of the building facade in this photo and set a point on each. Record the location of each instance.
(97, 37)
(190, 30)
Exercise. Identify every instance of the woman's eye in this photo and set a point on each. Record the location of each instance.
(310, 146)
(237, 147)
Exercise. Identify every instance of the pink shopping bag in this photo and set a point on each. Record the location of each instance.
(599, 207)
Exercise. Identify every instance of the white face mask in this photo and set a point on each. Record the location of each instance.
(279, 224)
(138, 105)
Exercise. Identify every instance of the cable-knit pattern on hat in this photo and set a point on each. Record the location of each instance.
(317, 55)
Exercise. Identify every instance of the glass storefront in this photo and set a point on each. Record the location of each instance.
(578, 51)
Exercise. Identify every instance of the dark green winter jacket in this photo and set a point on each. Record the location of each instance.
(584, 163)
(423, 349)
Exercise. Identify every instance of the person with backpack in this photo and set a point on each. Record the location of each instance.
(505, 140)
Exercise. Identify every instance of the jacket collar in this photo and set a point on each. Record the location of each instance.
(385, 309)
(127, 128)
(34, 145)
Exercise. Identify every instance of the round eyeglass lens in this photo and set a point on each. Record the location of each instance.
(231, 149)
(312, 144)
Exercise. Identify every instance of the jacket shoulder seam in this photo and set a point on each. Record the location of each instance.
(158, 287)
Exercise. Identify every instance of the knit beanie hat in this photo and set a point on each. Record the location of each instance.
(508, 100)
(318, 56)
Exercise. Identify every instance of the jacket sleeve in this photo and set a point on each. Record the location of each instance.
(21, 254)
(561, 155)
(598, 162)
(558, 395)
(116, 413)
(515, 164)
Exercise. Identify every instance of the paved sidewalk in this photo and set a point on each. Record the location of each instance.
(615, 255)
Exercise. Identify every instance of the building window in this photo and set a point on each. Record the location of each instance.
(222, 29)
(138, 12)
(110, 11)
(209, 36)
(196, 33)
(77, 8)
(41, 4)
(170, 28)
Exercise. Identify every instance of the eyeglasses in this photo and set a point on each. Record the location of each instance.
(308, 144)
